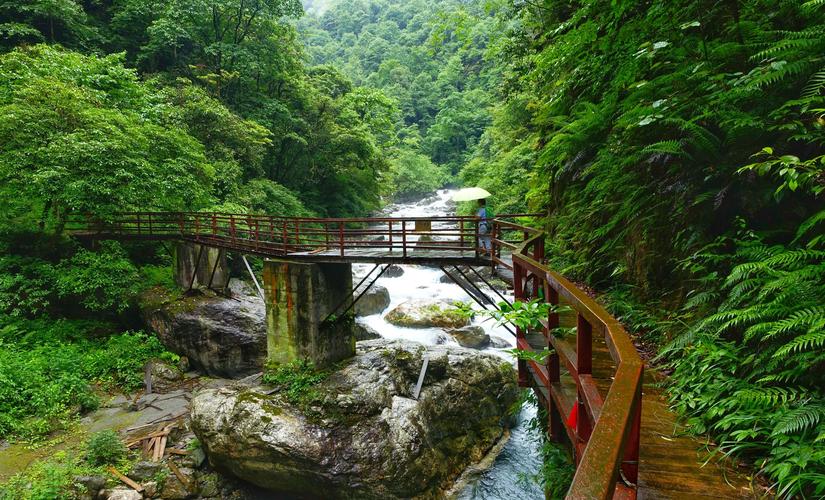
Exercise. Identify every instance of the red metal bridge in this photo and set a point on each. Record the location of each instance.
(625, 441)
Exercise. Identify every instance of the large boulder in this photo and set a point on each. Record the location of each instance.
(359, 433)
(221, 336)
(374, 301)
(425, 313)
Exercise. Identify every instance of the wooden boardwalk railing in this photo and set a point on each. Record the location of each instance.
(605, 432)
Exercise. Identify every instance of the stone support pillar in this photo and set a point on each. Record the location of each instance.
(299, 297)
(186, 256)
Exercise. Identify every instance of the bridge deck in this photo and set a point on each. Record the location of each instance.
(434, 241)
(671, 465)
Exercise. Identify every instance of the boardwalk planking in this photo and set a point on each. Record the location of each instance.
(672, 465)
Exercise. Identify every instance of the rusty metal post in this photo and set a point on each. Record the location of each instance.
(555, 424)
(297, 234)
(518, 290)
(584, 366)
(538, 251)
(389, 237)
(404, 238)
(630, 465)
(341, 237)
(476, 242)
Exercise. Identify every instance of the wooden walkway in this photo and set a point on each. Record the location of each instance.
(671, 464)
(433, 241)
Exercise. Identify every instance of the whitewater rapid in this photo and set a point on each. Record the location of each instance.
(508, 477)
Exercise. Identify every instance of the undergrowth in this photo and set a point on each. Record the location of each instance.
(296, 380)
(51, 370)
(557, 470)
(55, 478)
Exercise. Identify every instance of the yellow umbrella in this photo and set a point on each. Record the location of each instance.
(469, 194)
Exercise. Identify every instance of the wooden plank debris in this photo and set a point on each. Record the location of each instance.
(180, 476)
(135, 486)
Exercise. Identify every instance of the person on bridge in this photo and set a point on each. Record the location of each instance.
(484, 226)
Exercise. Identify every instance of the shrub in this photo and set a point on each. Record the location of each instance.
(105, 448)
(296, 380)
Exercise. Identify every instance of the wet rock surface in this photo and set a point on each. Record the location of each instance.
(364, 332)
(394, 271)
(424, 313)
(220, 336)
(360, 434)
(473, 337)
(374, 301)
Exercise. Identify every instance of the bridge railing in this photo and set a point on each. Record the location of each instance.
(605, 432)
(272, 235)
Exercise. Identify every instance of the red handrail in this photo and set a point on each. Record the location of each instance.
(605, 438)
(296, 235)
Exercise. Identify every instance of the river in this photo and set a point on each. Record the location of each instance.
(508, 477)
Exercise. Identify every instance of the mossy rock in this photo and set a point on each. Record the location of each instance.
(427, 314)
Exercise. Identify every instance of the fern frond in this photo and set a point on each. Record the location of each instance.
(791, 257)
(778, 72)
(814, 86)
(804, 41)
(666, 147)
(800, 419)
(807, 342)
(811, 4)
(768, 396)
(809, 223)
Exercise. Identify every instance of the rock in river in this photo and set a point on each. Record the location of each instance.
(358, 433)
(473, 337)
(364, 332)
(374, 301)
(426, 314)
(222, 336)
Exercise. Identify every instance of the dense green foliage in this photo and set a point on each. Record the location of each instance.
(56, 477)
(105, 447)
(180, 105)
(430, 58)
(296, 380)
(677, 148)
(52, 369)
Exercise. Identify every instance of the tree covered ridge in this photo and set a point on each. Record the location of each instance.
(432, 58)
(225, 80)
(677, 148)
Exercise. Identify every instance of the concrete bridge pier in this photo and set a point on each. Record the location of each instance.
(212, 270)
(299, 297)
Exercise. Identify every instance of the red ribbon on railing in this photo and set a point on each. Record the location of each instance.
(573, 418)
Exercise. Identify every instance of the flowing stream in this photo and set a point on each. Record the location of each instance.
(509, 475)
